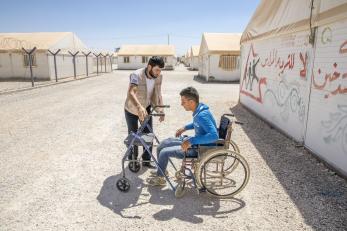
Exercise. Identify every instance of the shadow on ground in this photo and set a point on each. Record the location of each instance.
(118, 201)
(192, 205)
(187, 209)
(318, 193)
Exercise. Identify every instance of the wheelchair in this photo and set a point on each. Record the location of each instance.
(219, 170)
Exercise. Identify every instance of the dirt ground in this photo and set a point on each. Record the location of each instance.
(60, 156)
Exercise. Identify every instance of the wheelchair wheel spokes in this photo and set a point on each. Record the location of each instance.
(235, 148)
(219, 175)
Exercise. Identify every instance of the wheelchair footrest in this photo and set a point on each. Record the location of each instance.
(202, 190)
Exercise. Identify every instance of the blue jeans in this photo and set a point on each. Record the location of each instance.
(171, 147)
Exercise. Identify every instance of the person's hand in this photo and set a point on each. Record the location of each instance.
(161, 118)
(179, 132)
(185, 145)
(142, 113)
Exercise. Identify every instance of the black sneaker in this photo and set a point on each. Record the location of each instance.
(148, 165)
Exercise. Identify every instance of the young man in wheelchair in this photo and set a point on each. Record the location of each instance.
(206, 134)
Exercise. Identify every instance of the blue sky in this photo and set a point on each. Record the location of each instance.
(107, 24)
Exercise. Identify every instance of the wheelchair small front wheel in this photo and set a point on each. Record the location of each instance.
(134, 166)
(123, 184)
(179, 175)
(180, 189)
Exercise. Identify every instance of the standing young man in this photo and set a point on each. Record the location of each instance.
(144, 92)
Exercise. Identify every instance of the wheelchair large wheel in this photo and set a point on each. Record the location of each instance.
(219, 178)
(123, 184)
(235, 148)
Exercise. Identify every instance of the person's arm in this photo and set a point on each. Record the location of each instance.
(132, 91)
(185, 128)
(211, 132)
(189, 126)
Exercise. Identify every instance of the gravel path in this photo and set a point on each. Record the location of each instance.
(60, 151)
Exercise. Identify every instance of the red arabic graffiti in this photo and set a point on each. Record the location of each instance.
(272, 59)
(304, 62)
(343, 49)
(330, 78)
(250, 75)
(279, 62)
(289, 64)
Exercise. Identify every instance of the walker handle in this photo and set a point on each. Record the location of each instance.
(157, 114)
(160, 106)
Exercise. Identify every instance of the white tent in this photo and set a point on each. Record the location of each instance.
(294, 72)
(186, 60)
(14, 62)
(194, 57)
(137, 56)
(219, 56)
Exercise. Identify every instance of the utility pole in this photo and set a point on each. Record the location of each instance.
(168, 39)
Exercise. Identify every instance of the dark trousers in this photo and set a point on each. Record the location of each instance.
(132, 123)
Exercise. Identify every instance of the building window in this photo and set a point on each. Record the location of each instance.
(126, 59)
(144, 59)
(229, 62)
(26, 60)
(165, 59)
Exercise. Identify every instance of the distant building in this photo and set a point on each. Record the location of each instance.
(219, 56)
(14, 62)
(194, 58)
(136, 56)
(186, 59)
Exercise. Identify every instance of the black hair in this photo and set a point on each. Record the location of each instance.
(190, 93)
(156, 61)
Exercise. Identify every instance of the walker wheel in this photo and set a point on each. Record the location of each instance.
(134, 166)
(123, 184)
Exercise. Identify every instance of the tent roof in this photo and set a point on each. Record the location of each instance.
(195, 51)
(40, 40)
(222, 42)
(274, 17)
(126, 50)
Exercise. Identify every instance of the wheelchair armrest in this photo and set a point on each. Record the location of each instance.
(220, 141)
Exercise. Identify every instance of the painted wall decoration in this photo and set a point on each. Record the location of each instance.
(274, 81)
(251, 84)
(327, 119)
(335, 128)
(289, 99)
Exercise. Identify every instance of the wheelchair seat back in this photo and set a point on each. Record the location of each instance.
(224, 130)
